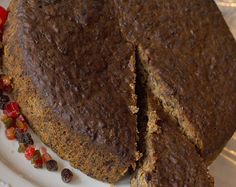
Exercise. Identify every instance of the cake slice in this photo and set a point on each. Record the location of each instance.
(170, 158)
(190, 54)
(74, 80)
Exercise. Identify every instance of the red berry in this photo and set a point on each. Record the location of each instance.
(21, 118)
(3, 17)
(29, 152)
(38, 163)
(11, 133)
(46, 157)
(12, 110)
(43, 150)
(21, 124)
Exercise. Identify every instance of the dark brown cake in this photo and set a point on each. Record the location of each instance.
(190, 54)
(74, 79)
(73, 66)
(170, 160)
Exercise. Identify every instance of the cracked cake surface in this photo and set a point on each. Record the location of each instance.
(74, 68)
(190, 55)
(170, 159)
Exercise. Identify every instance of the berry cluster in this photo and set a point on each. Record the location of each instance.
(16, 129)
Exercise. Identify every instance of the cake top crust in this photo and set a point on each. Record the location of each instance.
(191, 49)
(81, 65)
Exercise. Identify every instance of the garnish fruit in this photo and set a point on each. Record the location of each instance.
(24, 137)
(27, 139)
(29, 152)
(66, 175)
(11, 133)
(22, 147)
(37, 156)
(3, 17)
(51, 165)
(8, 121)
(38, 163)
(12, 110)
(43, 150)
(4, 99)
(21, 124)
(46, 157)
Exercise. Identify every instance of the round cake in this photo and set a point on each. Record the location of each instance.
(78, 70)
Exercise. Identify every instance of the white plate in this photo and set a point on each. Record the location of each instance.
(16, 171)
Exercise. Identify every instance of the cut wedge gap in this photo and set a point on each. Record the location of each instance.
(169, 158)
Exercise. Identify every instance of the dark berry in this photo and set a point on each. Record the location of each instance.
(66, 175)
(19, 136)
(4, 99)
(51, 165)
(24, 137)
(27, 139)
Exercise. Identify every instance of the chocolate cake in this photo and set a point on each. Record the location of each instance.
(170, 158)
(74, 65)
(74, 80)
(190, 54)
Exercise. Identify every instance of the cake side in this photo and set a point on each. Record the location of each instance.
(97, 159)
(170, 158)
(86, 79)
(190, 54)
